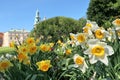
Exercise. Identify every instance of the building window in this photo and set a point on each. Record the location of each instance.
(11, 38)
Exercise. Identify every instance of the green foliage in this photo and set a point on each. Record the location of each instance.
(103, 11)
(57, 28)
(5, 50)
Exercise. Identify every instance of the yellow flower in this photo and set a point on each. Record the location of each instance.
(30, 41)
(12, 44)
(98, 51)
(43, 65)
(22, 57)
(23, 49)
(37, 41)
(116, 22)
(45, 47)
(4, 65)
(89, 25)
(72, 36)
(59, 41)
(80, 62)
(99, 34)
(32, 49)
(85, 29)
(81, 37)
(68, 51)
(51, 44)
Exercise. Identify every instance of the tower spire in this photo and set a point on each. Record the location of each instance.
(37, 18)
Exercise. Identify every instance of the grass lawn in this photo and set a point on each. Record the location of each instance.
(4, 50)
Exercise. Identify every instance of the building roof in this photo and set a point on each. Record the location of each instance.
(18, 30)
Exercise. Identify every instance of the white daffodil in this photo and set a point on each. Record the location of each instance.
(88, 31)
(91, 25)
(101, 34)
(80, 63)
(98, 51)
(72, 36)
(116, 23)
(81, 38)
(73, 39)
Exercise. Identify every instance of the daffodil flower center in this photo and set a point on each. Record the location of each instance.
(99, 34)
(4, 65)
(79, 60)
(98, 51)
(81, 38)
(89, 25)
(117, 21)
(85, 30)
(72, 37)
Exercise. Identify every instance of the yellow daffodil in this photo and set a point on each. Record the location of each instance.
(37, 41)
(4, 65)
(80, 62)
(51, 44)
(59, 41)
(32, 49)
(98, 51)
(12, 44)
(68, 51)
(30, 40)
(23, 49)
(45, 47)
(22, 57)
(43, 65)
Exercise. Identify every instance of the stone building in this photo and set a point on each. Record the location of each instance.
(16, 35)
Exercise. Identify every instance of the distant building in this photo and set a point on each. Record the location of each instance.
(18, 34)
(38, 18)
(1, 39)
(15, 35)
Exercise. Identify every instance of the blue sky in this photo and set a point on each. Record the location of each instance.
(20, 14)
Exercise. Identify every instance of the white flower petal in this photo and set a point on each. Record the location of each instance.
(75, 65)
(109, 50)
(87, 51)
(104, 60)
(92, 42)
(93, 59)
(83, 67)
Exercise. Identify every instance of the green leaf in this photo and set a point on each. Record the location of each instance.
(28, 77)
(34, 77)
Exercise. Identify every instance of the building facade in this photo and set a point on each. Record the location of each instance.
(15, 35)
(1, 39)
(18, 35)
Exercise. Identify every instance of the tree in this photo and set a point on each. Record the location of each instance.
(103, 11)
(57, 28)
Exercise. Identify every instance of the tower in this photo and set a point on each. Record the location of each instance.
(37, 18)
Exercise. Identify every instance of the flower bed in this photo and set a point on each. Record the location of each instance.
(90, 55)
